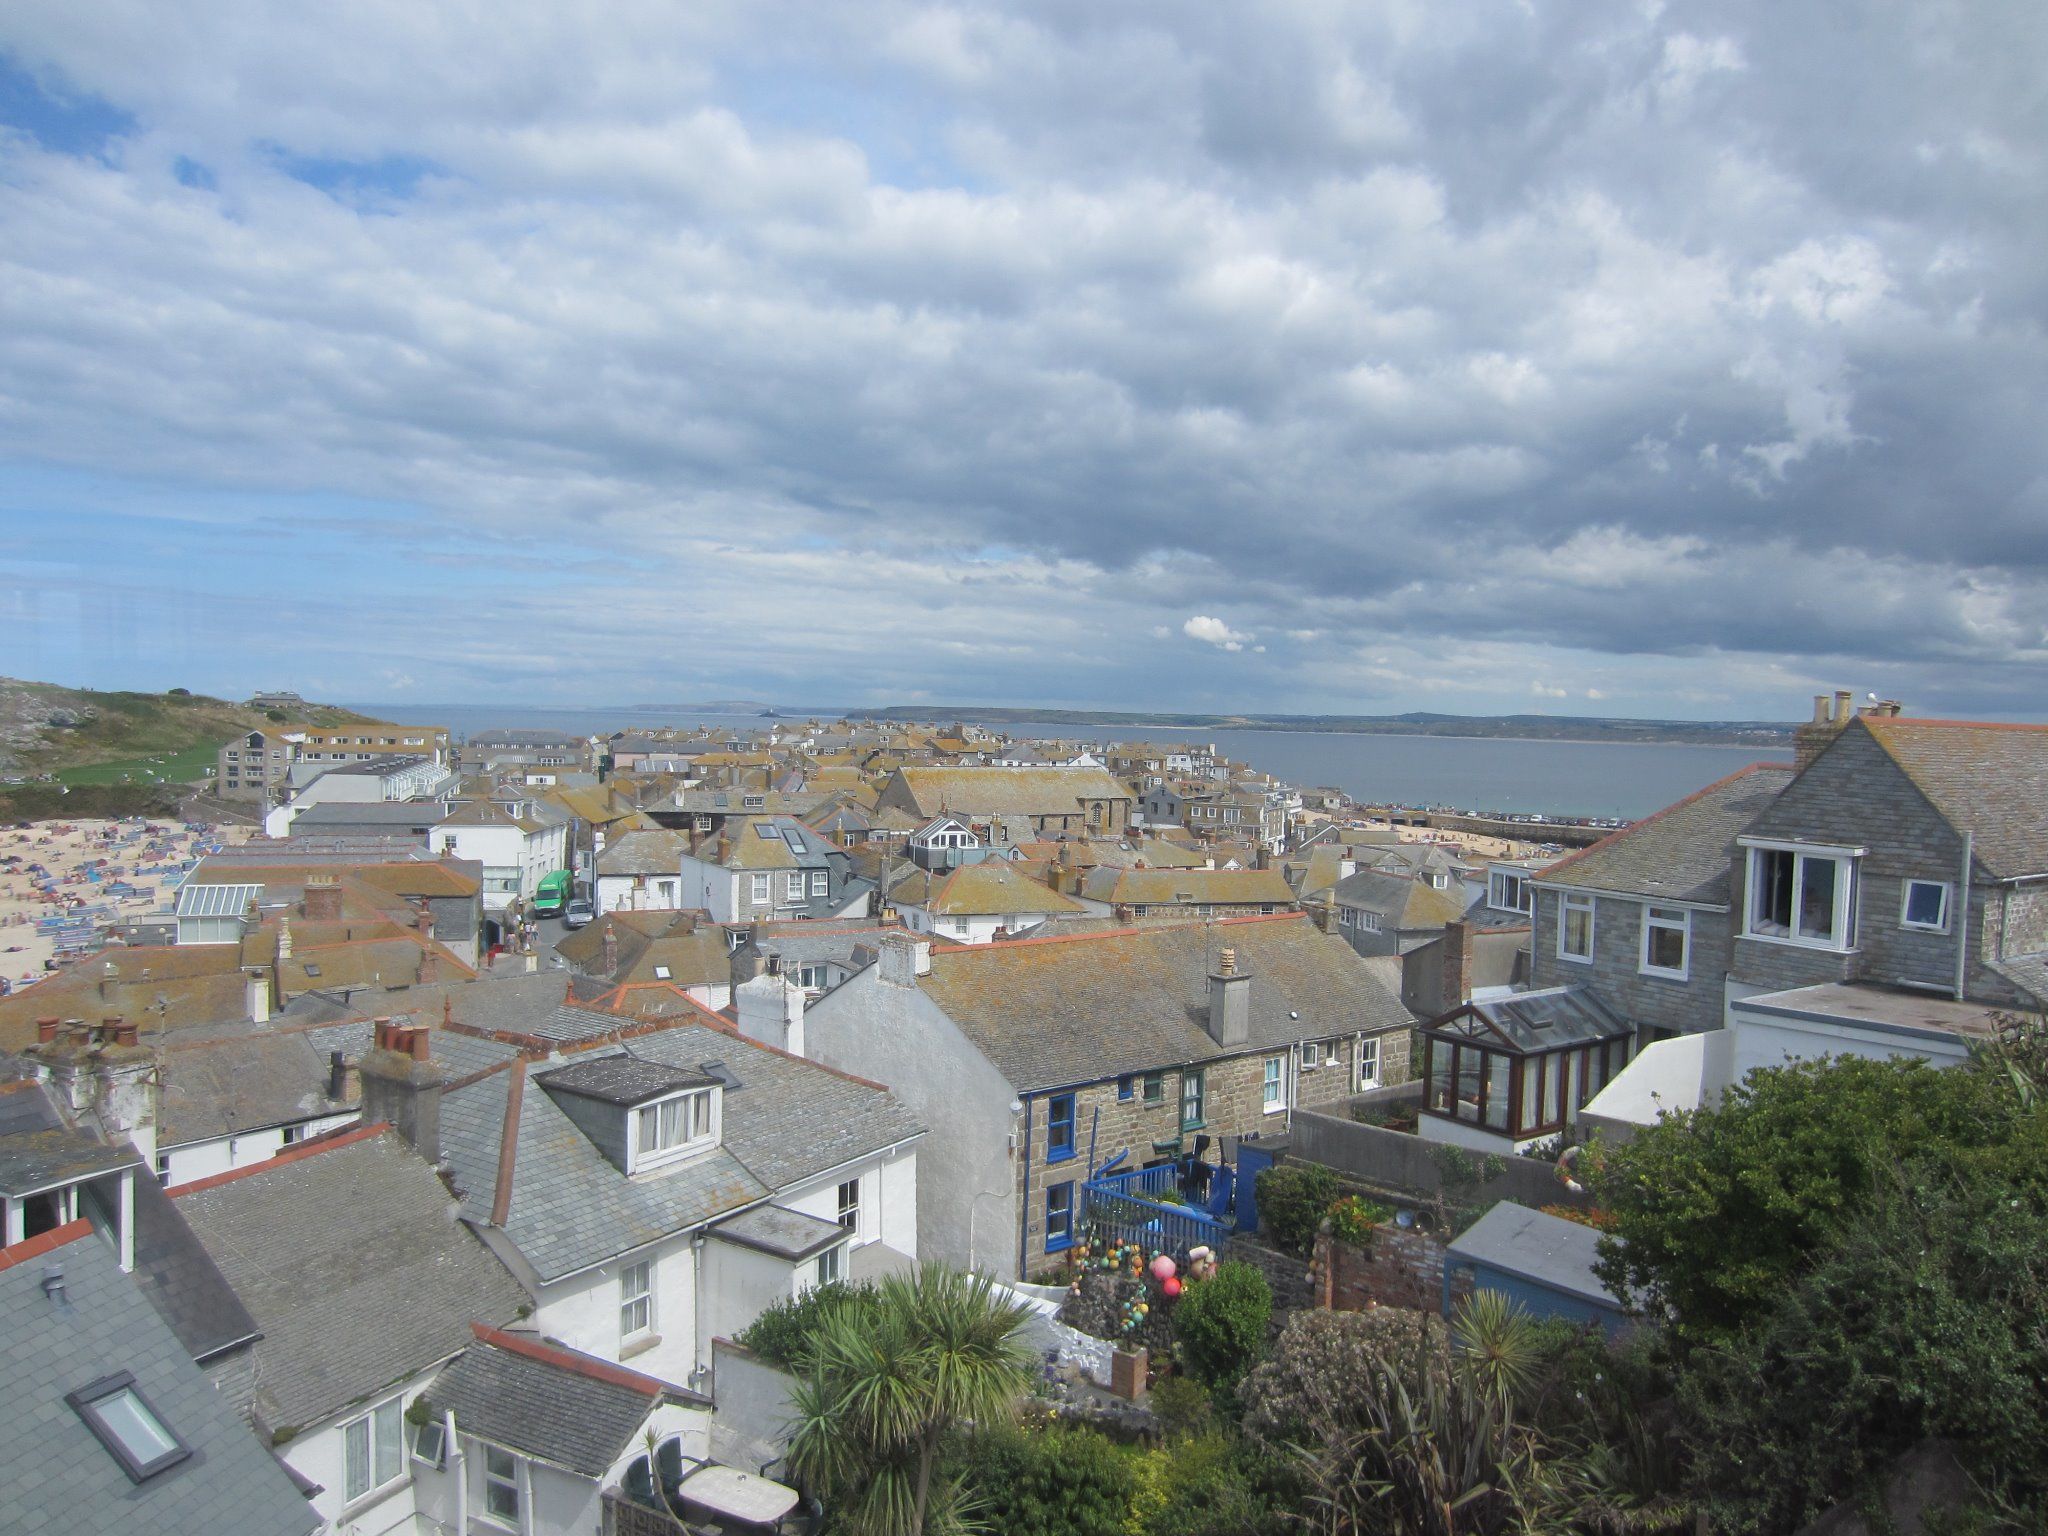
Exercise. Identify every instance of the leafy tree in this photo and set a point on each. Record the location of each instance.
(1047, 1482)
(1925, 1320)
(1293, 1199)
(1219, 1328)
(1715, 1212)
(884, 1389)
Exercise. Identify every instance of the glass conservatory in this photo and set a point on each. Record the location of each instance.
(1518, 1067)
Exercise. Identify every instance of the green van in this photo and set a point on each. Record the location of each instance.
(551, 894)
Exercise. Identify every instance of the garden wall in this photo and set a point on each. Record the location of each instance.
(1401, 1163)
(1404, 1267)
(752, 1399)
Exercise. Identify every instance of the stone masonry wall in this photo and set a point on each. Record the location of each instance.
(1402, 1268)
(1615, 974)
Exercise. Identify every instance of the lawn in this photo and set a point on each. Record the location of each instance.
(186, 767)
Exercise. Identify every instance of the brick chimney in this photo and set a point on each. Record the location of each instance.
(323, 899)
(423, 919)
(46, 1030)
(1457, 963)
(1229, 1021)
(402, 1085)
(611, 948)
(1829, 716)
(430, 966)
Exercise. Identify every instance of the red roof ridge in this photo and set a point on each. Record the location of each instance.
(312, 1146)
(44, 1242)
(574, 1360)
(508, 1143)
(1635, 826)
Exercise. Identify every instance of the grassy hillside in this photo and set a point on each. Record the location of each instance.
(128, 748)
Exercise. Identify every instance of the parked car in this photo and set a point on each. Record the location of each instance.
(580, 912)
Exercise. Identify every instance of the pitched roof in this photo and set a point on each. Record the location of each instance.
(1986, 779)
(1187, 887)
(993, 888)
(659, 852)
(543, 1400)
(1009, 791)
(1056, 1011)
(1683, 852)
(63, 1478)
(348, 1256)
(568, 1207)
(1403, 903)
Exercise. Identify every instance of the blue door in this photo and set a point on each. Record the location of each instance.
(1251, 1160)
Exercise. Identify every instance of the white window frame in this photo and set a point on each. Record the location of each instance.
(699, 1126)
(1497, 883)
(761, 889)
(820, 882)
(1569, 902)
(636, 1301)
(386, 1419)
(1948, 892)
(850, 1208)
(793, 886)
(1368, 921)
(507, 1481)
(1273, 1085)
(828, 1268)
(1840, 938)
(1665, 919)
(1368, 1073)
(1311, 1055)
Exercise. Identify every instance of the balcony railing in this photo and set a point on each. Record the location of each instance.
(1140, 1205)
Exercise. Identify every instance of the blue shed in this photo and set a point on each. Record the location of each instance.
(1542, 1261)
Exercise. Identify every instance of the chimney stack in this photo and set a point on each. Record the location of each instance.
(1230, 1002)
(284, 937)
(423, 920)
(323, 899)
(770, 1009)
(337, 1077)
(1457, 963)
(46, 1030)
(611, 949)
(1812, 738)
(402, 1085)
(905, 957)
(256, 982)
(430, 966)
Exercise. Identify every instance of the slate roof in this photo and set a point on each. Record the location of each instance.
(1187, 887)
(621, 1079)
(1555, 1253)
(1683, 852)
(174, 1270)
(556, 1404)
(245, 1082)
(569, 1207)
(349, 1257)
(1402, 903)
(1988, 780)
(60, 1479)
(658, 852)
(37, 1150)
(1053, 1012)
(992, 888)
(987, 792)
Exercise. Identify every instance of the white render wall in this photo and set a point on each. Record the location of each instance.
(640, 893)
(978, 929)
(582, 1311)
(224, 1154)
(317, 1453)
(888, 1200)
(710, 887)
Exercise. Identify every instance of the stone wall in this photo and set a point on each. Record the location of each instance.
(1405, 1165)
(1401, 1268)
(1288, 1277)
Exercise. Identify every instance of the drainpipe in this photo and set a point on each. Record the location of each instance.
(458, 1468)
(699, 1367)
(1024, 1208)
(1963, 916)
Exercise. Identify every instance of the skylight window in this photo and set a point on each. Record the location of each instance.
(795, 839)
(128, 1427)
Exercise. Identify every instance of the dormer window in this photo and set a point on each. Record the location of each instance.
(671, 1128)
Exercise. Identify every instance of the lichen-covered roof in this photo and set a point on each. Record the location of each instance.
(1187, 887)
(1076, 1009)
(992, 888)
(1986, 779)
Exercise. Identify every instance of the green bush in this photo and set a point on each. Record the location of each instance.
(782, 1333)
(1293, 1199)
(1219, 1327)
(1047, 1482)
(1354, 1219)
(1203, 1485)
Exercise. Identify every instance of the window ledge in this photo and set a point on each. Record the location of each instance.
(1656, 974)
(1822, 946)
(1272, 1109)
(639, 1346)
(1575, 959)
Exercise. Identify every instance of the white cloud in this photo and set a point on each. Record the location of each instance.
(1544, 690)
(1215, 632)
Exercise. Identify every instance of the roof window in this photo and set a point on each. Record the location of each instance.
(128, 1427)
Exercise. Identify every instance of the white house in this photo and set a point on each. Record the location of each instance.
(976, 902)
(641, 871)
(371, 782)
(515, 846)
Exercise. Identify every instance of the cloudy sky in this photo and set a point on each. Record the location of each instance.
(1579, 356)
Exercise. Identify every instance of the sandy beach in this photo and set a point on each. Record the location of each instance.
(62, 883)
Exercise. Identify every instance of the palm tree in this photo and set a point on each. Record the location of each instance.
(940, 1350)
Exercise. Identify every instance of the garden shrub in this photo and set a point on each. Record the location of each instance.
(1202, 1485)
(1323, 1367)
(1293, 1199)
(1220, 1325)
(781, 1333)
(1354, 1219)
(1048, 1482)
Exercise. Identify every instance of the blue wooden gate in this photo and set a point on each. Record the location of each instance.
(1251, 1161)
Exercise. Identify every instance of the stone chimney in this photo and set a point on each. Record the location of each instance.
(1829, 716)
(402, 1085)
(1457, 964)
(905, 957)
(256, 985)
(611, 948)
(430, 966)
(770, 1009)
(1230, 1002)
(323, 899)
(105, 1072)
(423, 920)
(284, 937)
